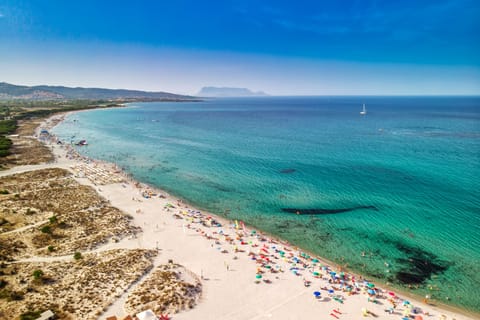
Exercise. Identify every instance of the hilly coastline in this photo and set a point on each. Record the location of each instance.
(43, 92)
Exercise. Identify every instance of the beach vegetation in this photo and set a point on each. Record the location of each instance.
(4, 191)
(37, 274)
(51, 248)
(30, 315)
(5, 145)
(7, 126)
(46, 229)
(30, 212)
(77, 255)
(3, 283)
(52, 219)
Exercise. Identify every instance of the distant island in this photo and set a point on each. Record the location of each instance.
(18, 92)
(228, 92)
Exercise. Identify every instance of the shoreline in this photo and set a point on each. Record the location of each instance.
(77, 158)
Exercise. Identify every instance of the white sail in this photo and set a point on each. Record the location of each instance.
(364, 110)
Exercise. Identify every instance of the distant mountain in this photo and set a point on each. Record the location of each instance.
(228, 92)
(11, 92)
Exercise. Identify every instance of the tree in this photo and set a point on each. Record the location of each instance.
(77, 256)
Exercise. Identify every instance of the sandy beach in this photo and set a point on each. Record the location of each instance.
(234, 272)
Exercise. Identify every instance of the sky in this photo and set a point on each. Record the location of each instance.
(335, 47)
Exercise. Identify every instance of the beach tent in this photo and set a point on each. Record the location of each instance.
(147, 315)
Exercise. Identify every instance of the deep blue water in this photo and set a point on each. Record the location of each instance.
(412, 161)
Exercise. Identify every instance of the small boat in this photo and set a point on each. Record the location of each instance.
(364, 110)
(82, 143)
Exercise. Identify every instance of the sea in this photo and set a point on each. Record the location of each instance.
(393, 194)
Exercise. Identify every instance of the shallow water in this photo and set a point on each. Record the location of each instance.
(397, 190)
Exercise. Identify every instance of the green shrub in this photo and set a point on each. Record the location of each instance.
(4, 191)
(77, 255)
(37, 274)
(51, 248)
(53, 219)
(7, 126)
(46, 229)
(30, 315)
(5, 145)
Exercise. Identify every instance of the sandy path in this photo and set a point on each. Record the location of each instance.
(30, 226)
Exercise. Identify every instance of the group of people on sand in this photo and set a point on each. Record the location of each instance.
(273, 256)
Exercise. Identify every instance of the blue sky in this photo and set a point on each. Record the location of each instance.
(281, 47)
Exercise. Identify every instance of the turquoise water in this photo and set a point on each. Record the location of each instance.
(412, 162)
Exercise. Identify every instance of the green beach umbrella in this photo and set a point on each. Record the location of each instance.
(258, 276)
(371, 285)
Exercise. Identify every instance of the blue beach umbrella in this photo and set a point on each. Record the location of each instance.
(317, 294)
(331, 291)
(370, 291)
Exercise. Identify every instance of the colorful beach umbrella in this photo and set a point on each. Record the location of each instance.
(371, 285)
(258, 276)
(370, 291)
(317, 294)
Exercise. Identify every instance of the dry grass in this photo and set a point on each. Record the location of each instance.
(84, 220)
(26, 149)
(169, 289)
(74, 289)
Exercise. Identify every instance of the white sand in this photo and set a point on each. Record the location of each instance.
(232, 293)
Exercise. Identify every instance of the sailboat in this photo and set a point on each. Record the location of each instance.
(364, 111)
